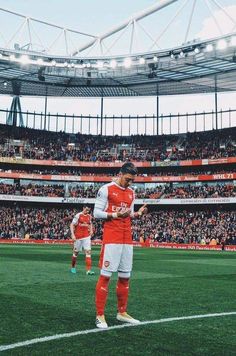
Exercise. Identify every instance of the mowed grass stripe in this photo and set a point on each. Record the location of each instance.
(116, 327)
(39, 296)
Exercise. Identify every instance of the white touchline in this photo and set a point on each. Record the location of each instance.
(93, 331)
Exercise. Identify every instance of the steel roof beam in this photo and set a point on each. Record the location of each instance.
(136, 17)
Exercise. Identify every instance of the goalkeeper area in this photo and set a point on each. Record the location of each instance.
(189, 296)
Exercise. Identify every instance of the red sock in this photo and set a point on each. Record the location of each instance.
(122, 292)
(101, 294)
(88, 263)
(73, 263)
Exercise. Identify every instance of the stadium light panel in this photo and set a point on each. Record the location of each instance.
(53, 62)
(12, 57)
(209, 47)
(5, 84)
(24, 59)
(155, 59)
(221, 44)
(100, 64)
(127, 62)
(141, 60)
(232, 42)
(40, 61)
(196, 50)
(181, 54)
(113, 63)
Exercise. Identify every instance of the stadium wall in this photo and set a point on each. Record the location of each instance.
(136, 244)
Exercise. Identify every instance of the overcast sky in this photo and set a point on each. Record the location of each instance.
(95, 17)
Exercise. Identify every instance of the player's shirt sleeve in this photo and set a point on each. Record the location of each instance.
(76, 219)
(132, 207)
(101, 203)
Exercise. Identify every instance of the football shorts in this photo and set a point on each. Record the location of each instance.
(83, 244)
(116, 258)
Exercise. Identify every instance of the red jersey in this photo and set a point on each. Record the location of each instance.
(82, 224)
(112, 198)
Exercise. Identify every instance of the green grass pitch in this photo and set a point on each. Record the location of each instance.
(40, 297)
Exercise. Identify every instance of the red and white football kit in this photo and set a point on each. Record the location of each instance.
(117, 250)
(82, 231)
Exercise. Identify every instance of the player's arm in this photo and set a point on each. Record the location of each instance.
(100, 206)
(140, 212)
(72, 227)
(101, 203)
(72, 231)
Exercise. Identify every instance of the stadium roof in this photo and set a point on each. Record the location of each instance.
(198, 67)
(194, 68)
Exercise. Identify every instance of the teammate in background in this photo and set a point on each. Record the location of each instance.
(81, 231)
(115, 204)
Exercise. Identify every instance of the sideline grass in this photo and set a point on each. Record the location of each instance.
(39, 297)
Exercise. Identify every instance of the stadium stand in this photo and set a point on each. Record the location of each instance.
(36, 144)
(164, 190)
(186, 226)
(28, 170)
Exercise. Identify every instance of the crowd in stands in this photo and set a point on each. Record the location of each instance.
(78, 172)
(61, 146)
(201, 191)
(187, 226)
(201, 226)
(164, 191)
(33, 190)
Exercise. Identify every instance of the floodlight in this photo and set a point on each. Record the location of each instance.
(221, 44)
(127, 62)
(40, 61)
(209, 47)
(232, 42)
(100, 64)
(113, 63)
(24, 59)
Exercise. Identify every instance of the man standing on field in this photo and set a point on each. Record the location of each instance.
(115, 204)
(81, 230)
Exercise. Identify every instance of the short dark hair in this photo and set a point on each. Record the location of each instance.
(129, 168)
(86, 206)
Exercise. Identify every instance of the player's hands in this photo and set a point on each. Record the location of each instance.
(123, 213)
(143, 210)
(73, 237)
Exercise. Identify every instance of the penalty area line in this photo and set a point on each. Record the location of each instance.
(115, 327)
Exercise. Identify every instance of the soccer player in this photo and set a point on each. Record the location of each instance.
(115, 204)
(81, 231)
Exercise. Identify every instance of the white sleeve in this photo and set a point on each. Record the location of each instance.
(101, 203)
(76, 219)
(132, 208)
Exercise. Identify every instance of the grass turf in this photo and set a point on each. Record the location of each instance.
(40, 297)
